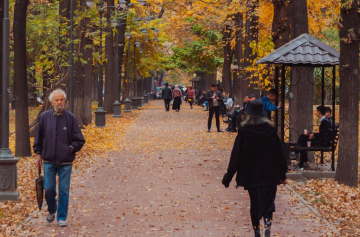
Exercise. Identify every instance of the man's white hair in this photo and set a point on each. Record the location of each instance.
(57, 91)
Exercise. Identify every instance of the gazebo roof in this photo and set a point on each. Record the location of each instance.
(304, 49)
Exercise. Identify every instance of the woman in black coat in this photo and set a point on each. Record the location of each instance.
(259, 161)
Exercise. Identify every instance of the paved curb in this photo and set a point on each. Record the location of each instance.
(313, 210)
(311, 175)
(37, 211)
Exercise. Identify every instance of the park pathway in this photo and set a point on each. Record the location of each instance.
(166, 181)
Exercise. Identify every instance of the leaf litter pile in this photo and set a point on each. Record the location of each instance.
(337, 203)
(98, 142)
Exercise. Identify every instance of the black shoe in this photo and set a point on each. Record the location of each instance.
(267, 232)
(50, 217)
(257, 233)
(208, 130)
(232, 131)
(228, 129)
(219, 130)
(206, 110)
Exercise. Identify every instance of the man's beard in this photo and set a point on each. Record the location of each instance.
(59, 109)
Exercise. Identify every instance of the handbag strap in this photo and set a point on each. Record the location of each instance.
(39, 170)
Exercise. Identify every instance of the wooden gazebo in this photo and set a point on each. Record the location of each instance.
(304, 53)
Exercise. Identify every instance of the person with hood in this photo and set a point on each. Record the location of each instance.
(177, 96)
(259, 161)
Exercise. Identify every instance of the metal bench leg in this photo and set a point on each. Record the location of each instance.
(332, 161)
(322, 158)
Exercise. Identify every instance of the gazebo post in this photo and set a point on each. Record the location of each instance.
(283, 103)
(334, 116)
(277, 99)
(322, 101)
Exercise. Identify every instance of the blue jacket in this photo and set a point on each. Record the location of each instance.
(268, 106)
(56, 136)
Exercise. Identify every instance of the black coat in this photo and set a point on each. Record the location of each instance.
(257, 158)
(166, 93)
(56, 136)
(209, 98)
(324, 136)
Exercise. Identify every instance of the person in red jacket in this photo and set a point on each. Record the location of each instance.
(190, 93)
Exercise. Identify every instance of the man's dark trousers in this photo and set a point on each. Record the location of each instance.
(167, 104)
(214, 110)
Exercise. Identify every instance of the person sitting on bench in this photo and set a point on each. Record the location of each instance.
(232, 117)
(320, 139)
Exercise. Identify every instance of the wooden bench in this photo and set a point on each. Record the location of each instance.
(333, 144)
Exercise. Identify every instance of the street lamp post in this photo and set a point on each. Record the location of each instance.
(100, 118)
(71, 99)
(136, 102)
(8, 169)
(116, 105)
(127, 102)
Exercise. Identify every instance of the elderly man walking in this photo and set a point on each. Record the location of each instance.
(58, 138)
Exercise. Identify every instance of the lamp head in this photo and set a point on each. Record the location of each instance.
(141, 2)
(141, 50)
(157, 31)
(144, 32)
(114, 23)
(146, 40)
(128, 35)
(138, 44)
(90, 3)
(156, 39)
(148, 20)
(123, 3)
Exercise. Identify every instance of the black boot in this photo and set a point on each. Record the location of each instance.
(257, 233)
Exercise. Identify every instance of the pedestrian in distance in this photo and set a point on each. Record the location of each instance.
(177, 95)
(259, 161)
(268, 106)
(166, 96)
(214, 98)
(58, 138)
(190, 94)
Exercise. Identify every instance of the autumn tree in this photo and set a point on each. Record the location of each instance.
(22, 142)
(251, 36)
(347, 169)
(239, 82)
(301, 101)
(280, 30)
(109, 65)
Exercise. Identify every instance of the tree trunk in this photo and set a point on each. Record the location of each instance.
(251, 34)
(22, 138)
(109, 66)
(347, 168)
(280, 27)
(88, 73)
(228, 55)
(239, 83)
(78, 68)
(301, 103)
(121, 31)
(1, 53)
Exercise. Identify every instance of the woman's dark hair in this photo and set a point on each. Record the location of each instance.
(328, 109)
(321, 109)
(214, 85)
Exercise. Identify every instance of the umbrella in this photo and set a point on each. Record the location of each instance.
(39, 184)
